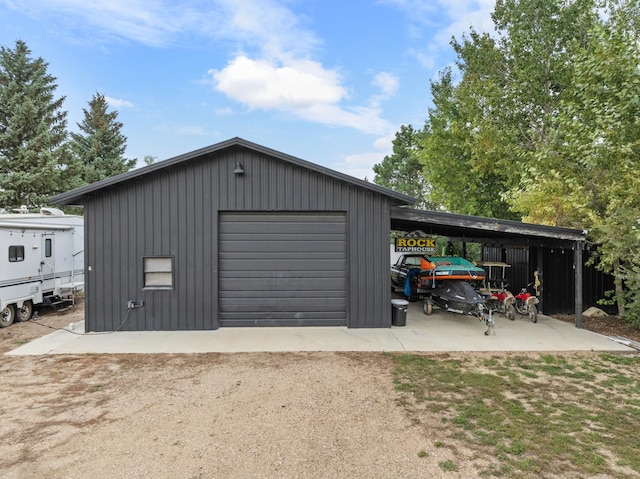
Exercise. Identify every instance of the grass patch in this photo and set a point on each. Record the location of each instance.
(542, 415)
(448, 465)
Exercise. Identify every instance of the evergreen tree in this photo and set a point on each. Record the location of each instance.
(33, 153)
(100, 146)
(402, 171)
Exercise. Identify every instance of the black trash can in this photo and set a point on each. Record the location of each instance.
(399, 312)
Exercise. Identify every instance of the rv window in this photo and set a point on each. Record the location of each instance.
(158, 272)
(16, 253)
(47, 248)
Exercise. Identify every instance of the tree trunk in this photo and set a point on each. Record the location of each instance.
(618, 287)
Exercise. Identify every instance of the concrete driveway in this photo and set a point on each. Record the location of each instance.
(441, 331)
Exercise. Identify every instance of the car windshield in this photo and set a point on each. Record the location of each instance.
(412, 261)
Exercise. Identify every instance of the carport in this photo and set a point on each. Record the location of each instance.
(497, 233)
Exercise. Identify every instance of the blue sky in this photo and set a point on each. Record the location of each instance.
(324, 80)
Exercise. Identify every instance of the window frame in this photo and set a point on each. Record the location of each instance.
(155, 269)
(14, 253)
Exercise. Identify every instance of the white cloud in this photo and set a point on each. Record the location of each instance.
(280, 75)
(387, 83)
(300, 87)
(117, 103)
(268, 26)
(260, 84)
(152, 23)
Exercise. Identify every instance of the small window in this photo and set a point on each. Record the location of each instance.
(47, 248)
(16, 253)
(158, 272)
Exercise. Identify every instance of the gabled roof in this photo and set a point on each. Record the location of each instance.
(78, 195)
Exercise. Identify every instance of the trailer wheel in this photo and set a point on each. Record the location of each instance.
(25, 313)
(7, 315)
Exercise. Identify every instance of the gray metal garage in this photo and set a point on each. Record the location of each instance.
(235, 234)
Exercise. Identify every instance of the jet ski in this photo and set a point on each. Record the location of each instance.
(455, 296)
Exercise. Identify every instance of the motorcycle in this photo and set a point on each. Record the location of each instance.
(502, 301)
(498, 298)
(525, 304)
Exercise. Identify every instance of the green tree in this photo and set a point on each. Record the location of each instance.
(100, 145)
(593, 160)
(485, 128)
(544, 121)
(448, 158)
(34, 159)
(401, 171)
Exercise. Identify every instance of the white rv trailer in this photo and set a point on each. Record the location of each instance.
(41, 261)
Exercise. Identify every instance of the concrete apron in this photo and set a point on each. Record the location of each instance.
(441, 331)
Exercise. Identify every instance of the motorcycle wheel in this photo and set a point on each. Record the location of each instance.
(511, 312)
(533, 313)
(428, 308)
(521, 307)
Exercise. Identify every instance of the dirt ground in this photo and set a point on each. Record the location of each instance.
(303, 415)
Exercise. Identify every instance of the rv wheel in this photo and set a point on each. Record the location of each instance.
(25, 313)
(7, 316)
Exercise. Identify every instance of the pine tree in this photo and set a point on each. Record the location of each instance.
(100, 146)
(33, 152)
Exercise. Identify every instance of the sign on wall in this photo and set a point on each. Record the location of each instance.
(415, 244)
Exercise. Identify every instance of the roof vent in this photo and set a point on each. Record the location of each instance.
(51, 212)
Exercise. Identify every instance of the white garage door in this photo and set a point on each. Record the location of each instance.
(282, 269)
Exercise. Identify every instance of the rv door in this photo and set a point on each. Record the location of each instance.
(47, 266)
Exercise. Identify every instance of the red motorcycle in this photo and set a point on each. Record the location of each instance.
(502, 301)
(526, 304)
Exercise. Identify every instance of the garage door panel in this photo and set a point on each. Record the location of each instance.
(282, 269)
(244, 320)
(288, 256)
(283, 287)
(286, 306)
(286, 246)
(291, 224)
(276, 266)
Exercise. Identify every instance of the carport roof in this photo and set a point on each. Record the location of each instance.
(79, 195)
(483, 230)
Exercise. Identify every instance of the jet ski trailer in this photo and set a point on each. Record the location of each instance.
(444, 281)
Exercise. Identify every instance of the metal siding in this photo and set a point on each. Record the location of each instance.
(369, 259)
(174, 212)
(558, 281)
(282, 269)
(519, 274)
